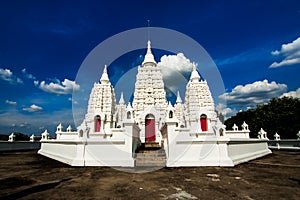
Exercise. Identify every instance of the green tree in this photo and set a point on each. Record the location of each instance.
(281, 115)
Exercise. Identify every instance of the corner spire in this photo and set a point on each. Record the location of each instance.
(121, 101)
(104, 77)
(149, 58)
(178, 100)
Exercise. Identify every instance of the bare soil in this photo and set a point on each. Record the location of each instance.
(27, 175)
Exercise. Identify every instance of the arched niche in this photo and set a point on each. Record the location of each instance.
(128, 115)
(171, 114)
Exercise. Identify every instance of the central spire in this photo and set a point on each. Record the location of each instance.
(195, 75)
(104, 77)
(149, 58)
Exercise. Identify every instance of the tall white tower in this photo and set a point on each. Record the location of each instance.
(149, 103)
(149, 88)
(101, 105)
(199, 104)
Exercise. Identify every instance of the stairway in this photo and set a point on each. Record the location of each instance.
(150, 154)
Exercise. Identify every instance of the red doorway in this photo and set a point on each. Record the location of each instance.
(150, 128)
(97, 123)
(203, 122)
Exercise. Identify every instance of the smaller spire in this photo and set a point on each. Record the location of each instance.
(104, 77)
(178, 100)
(121, 101)
(69, 129)
(195, 75)
(129, 106)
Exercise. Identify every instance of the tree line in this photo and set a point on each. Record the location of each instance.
(281, 115)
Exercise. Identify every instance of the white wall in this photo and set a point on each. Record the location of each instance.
(240, 150)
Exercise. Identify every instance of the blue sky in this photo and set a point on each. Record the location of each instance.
(43, 43)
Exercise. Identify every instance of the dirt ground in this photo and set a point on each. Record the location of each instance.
(27, 175)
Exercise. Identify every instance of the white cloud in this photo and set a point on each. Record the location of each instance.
(252, 94)
(294, 94)
(178, 63)
(66, 87)
(72, 100)
(33, 108)
(14, 120)
(7, 75)
(27, 75)
(174, 69)
(226, 111)
(290, 52)
(11, 102)
(24, 124)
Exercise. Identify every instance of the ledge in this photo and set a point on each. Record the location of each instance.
(241, 140)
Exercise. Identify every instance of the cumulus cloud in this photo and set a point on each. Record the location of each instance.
(177, 63)
(290, 53)
(294, 94)
(11, 102)
(252, 94)
(7, 75)
(33, 108)
(28, 75)
(174, 69)
(65, 87)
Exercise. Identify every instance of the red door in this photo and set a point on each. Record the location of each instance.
(97, 124)
(150, 129)
(203, 122)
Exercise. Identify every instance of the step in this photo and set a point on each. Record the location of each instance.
(138, 155)
(151, 152)
(150, 164)
(139, 162)
(152, 145)
(150, 158)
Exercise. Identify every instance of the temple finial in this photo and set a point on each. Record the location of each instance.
(195, 75)
(104, 77)
(149, 58)
(194, 66)
(148, 31)
(149, 47)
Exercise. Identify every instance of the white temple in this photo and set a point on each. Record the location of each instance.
(186, 134)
